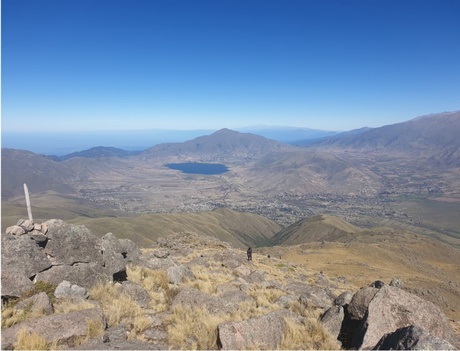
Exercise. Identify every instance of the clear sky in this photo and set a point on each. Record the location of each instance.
(77, 65)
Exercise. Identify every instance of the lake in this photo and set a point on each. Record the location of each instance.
(198, 168)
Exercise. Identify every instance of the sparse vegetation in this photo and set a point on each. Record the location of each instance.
(28, 340)
(308, 335)
(115, 304)
(193, 328)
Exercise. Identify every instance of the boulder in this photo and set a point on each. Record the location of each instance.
(66, 290)
(83, 274)
(255, 277)
(110, 242)
(317, 297)
(62, 329)
(412, 338)
(69, 244)
(113, 262)
(161, 253)
(393, 308)
(359, 304)
(332, 320)
(242, 270)
(137, 293)
(27, 225)
(237, 297)
(195, 298)
(14, 284)
(343, 299)
(15, 230)
(22, 254)
(129, 250)
(177, 273)
(265, 332)
(40, 303)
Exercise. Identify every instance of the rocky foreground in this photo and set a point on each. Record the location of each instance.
(64, 288)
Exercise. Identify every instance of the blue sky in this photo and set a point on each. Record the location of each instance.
(79, 65)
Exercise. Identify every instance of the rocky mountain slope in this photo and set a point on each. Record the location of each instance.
(432, 136)
(191, 291)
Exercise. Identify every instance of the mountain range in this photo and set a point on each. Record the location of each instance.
(370, 176)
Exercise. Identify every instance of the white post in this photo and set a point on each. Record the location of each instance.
(29, 208)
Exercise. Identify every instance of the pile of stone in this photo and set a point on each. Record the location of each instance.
(55, 251)
(35, 231)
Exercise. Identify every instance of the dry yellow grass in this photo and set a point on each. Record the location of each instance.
(193, 328)
(308, 335)
(28, 340)
(66, 306)
(12, 316)
(115, 304)
(140, 324)
(207, 280)
(265, 298)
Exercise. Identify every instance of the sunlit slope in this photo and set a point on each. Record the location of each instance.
(316, 228)
(241, 229)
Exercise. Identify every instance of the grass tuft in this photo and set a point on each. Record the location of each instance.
(308, 335)
(28, 340)
(115, 304)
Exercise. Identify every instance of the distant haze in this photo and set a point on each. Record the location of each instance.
(62, 143)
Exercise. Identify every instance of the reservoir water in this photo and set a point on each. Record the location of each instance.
(199, 168)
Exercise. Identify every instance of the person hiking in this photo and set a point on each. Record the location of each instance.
(249, 254)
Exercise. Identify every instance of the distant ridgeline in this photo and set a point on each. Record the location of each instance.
(198, 168)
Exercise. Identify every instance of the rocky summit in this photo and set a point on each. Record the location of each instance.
(65, 288)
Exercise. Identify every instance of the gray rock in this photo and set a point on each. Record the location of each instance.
(194, 298)
(412, 338)
(237, 297)
(177, 273)
(37, 303)
(332, 320)
(296, 288)
(14, 284)
(242, 271)
(161, 253)
(27, 225)
(15, 230)
(396, 282)
(137, 293)
(38, 237)
(110, 242)
(66, 290)
(83, 274)
(286, 301)
(255, 277)
(316, 297)
(97, 344)
(129, 250)
(153, 334)
(69, 244)
(22, 254)
(155, 263)
(344, 298)
(393, 308)
(113, 262)
(359, 304)
(38, 227)
(62, 329)
(115, 334)
(264, 332)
